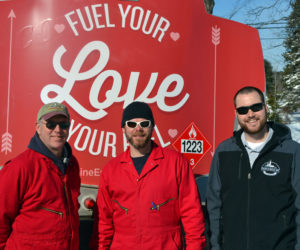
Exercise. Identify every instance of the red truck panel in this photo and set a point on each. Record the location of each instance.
(98, 56)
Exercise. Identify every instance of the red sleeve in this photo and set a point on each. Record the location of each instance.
(75, 192)
(190, 208)
(11, 193)
(103, 224)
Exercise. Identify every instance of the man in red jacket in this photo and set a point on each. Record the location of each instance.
(39, 189)
(146, 193)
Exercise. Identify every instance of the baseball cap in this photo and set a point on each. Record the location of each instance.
(51, 109)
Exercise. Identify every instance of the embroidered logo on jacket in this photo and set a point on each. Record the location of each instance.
(270, 168)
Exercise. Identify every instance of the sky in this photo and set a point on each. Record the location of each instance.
(270, 35)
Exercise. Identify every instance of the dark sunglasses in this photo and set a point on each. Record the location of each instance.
(52, 125)
(143, 124)
(255, 108)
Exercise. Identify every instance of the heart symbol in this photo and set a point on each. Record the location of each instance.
(59, 28)
(172, 132)
(175, 36)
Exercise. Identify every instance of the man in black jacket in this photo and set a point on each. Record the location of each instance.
(254, 182)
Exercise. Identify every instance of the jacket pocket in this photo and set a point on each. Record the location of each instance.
(156, 207)
(52, 211)
(120, 206)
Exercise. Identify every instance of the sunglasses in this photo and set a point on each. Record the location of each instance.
(255, 108)
(52, 125)
(143, 124)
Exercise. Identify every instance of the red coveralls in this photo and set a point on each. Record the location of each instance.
(38, 204)
(144, 212)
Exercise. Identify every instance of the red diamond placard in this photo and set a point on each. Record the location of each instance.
(192, 144)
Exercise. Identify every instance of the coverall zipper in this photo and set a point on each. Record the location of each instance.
(52, 211)
(159, 205)
(124, 208)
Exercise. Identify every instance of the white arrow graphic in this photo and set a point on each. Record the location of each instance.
(7, 137)
(215, 39)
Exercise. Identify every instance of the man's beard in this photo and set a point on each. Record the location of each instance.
(260, 128)
(141, 143)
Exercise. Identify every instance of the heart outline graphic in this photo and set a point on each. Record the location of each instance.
(174, 36)
(172, 132)
(59, 28)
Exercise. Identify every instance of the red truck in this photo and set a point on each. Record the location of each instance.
(98, 56)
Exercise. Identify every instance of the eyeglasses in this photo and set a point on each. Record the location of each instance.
(143, 124)
(255, 108)
(52, 125)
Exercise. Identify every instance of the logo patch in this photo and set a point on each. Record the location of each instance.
(270, 168)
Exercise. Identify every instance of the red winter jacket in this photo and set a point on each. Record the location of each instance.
(38, 204)
(144, 212)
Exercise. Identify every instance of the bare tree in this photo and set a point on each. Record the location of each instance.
(255, 12)
(269, 17)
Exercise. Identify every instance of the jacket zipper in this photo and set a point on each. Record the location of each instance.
(249, 197)
(248, 212)
(159, 205)
(66, 193)
(68, 207)
(124, 208)
(240, 166)
(52, 211)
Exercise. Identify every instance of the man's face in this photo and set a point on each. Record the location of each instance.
(53, 138)
(138, 137)
(252, 122)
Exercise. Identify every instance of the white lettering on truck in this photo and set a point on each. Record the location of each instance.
(112, 95)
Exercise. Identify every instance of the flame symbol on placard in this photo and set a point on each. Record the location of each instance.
(192, 133)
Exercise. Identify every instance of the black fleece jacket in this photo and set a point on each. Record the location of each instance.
(255, 208)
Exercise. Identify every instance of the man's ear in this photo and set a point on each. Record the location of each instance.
(37, 127)
(235, 113)
(266, 107)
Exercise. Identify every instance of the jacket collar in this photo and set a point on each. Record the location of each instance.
(281, 133)
(154, 158)
(37, 145)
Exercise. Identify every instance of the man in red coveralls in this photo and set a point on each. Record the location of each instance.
(146, 192)
(39, 189)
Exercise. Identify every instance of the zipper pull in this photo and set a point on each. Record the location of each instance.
(249, 176)
(153, 206)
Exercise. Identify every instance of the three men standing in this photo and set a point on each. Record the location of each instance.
(147, 192)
